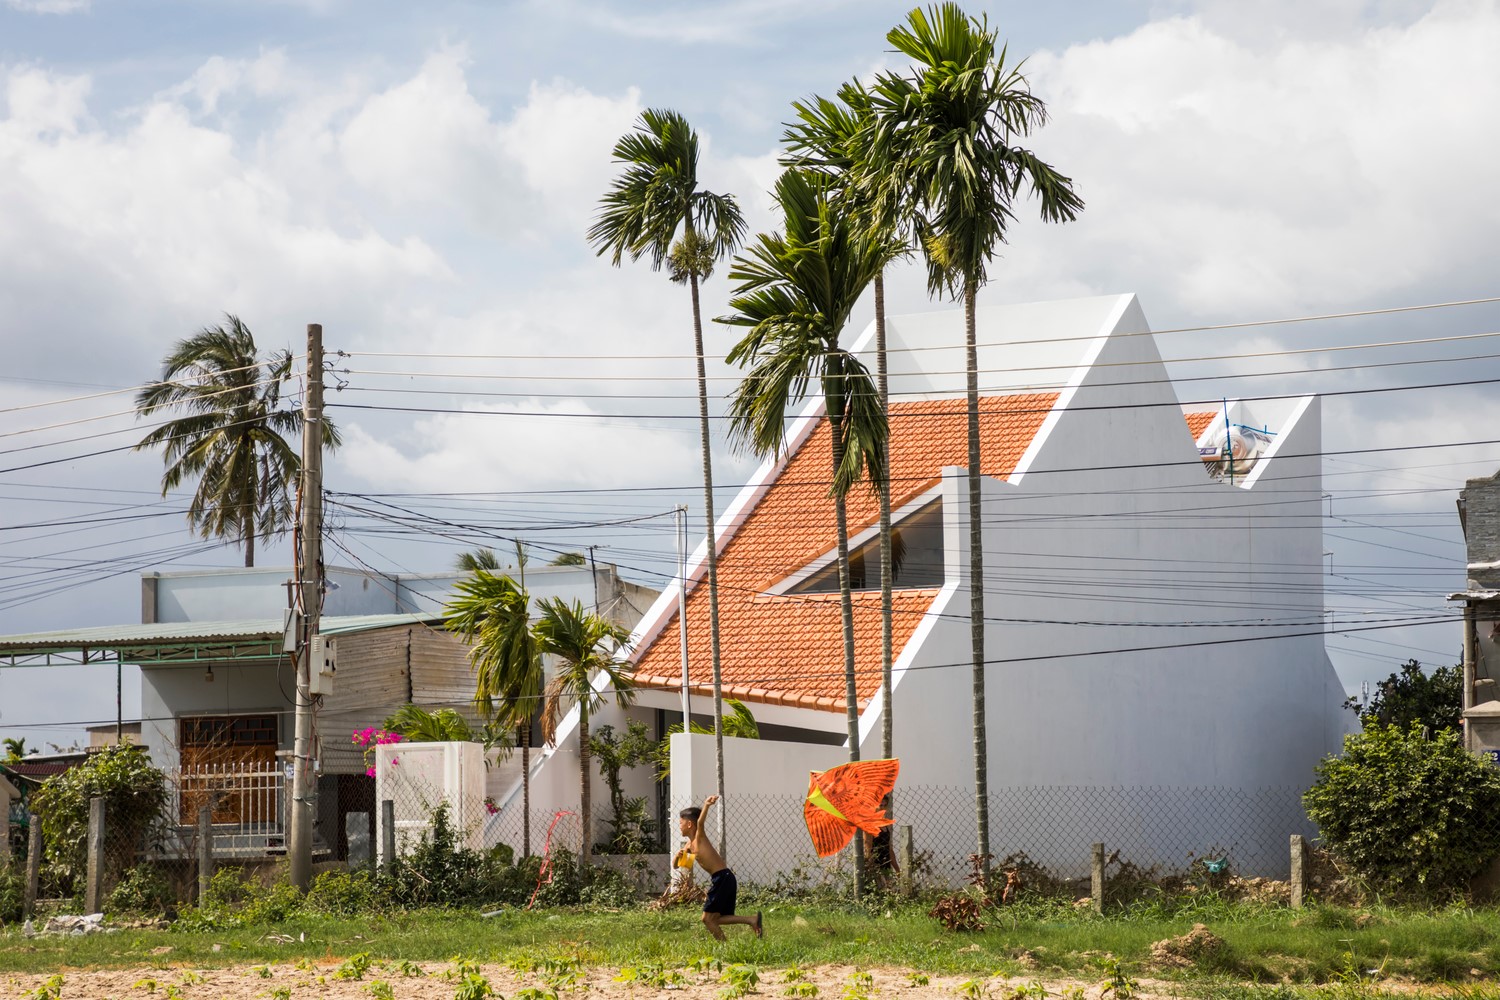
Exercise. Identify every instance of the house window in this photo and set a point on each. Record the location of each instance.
(916, 557)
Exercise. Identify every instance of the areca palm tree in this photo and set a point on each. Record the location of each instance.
(946, 138)
(795, 293)
(482, 558)
(493, 613)
(234, 437)
(584, 644)
(832, 137)
(655, 208)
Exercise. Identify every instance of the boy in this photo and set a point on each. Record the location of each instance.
(718, 909)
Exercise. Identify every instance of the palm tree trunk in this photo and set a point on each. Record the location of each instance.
(525, 735)
(887, 750)
(713, 560)
(976, 587)
(249, 522)
(846, 611)
(586, 848)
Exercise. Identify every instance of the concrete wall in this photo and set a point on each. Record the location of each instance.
(765, 786)
(240, 594)
(168, 693)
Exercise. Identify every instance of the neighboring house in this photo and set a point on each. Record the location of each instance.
(1479, 516)
(217, 683)
(1154, 609)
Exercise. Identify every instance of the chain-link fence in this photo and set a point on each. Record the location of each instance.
(1047, 831)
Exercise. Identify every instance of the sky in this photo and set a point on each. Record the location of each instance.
(418, 179)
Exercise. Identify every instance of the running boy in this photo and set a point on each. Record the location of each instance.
(718, 909)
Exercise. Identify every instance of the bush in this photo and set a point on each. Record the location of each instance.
(142, 890)
(234, 900)
(346, 894)
(12, 893)
(438, 871)
(134, 793)
(1409, 814)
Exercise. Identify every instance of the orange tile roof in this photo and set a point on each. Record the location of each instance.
(789, 649)
(1199, 420)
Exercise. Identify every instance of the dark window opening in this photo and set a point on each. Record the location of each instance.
(916, 557)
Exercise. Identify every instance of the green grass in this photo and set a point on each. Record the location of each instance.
(1263, 945)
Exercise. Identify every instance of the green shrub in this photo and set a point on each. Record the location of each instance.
(233, 900)
(439, 871)
(12, 893)
(142, 890)
(345, 894)
(1409, 814)
(134, 794)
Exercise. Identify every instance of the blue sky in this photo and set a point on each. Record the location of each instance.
(423, 174)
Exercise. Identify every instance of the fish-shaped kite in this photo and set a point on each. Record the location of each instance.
(845, 798)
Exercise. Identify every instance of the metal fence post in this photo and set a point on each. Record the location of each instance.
(33, 863)
(93, 890)
(908, 860)
(387, 831)
(1299, 871)
(1096, 873)
(205, 850)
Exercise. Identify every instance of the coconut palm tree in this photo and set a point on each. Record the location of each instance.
(482, 558)
(584, 644)
(493, 614)
(831, 137)
(655, 208)
(795, 293)
(234, 437)
(945, 139)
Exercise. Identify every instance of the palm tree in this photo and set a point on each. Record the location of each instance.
(234, 438)
(482, 558)
(655, 207)
(569, 559)
(584, 643)
(795, 294)
(493, 614)
(15, 750)
(831, 137)
(945, 139)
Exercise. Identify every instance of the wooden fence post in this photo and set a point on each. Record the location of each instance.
(1299, 871)
(387, 831)
(205, 850)
(908, 857)
(1096, 876)
(33, 863)
(93, 889)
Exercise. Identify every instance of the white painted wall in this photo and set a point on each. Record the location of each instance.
(242, 594)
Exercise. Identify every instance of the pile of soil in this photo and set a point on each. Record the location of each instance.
(1186, 951)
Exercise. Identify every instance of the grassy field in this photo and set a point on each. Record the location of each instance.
(1259, 945)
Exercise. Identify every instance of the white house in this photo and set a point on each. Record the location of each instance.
(1155, 667)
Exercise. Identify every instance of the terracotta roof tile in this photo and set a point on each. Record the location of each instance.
(1198, 421)
(789, 650)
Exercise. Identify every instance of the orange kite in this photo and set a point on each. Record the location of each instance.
(845, 798)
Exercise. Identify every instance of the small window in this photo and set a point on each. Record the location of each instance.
(916, 557)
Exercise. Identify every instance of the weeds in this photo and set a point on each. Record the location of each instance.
(739, 980)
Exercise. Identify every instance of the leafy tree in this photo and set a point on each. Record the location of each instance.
(493, 614)
(945, 142)
(631, 828)
(795, 293)
(233, 439)
(135, 795)
(656, 208)
(584, 644)
(1412, 696)
(1410, 814)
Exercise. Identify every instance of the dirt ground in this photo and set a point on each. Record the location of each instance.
(268, 982)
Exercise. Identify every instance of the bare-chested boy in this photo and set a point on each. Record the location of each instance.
(718, 909)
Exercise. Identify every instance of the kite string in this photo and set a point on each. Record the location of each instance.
(544, 876)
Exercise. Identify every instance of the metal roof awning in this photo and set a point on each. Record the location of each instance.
(181, 642)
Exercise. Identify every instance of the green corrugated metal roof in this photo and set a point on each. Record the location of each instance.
(189, 638)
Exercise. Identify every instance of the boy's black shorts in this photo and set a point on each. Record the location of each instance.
(722, 892)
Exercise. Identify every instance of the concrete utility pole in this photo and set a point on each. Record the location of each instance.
(310, 579)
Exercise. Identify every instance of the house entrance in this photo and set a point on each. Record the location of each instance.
(229, 762)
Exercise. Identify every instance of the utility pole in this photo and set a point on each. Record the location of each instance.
(310, 580)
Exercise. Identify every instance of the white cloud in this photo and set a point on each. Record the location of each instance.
(49, 6)
(1241, 179)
